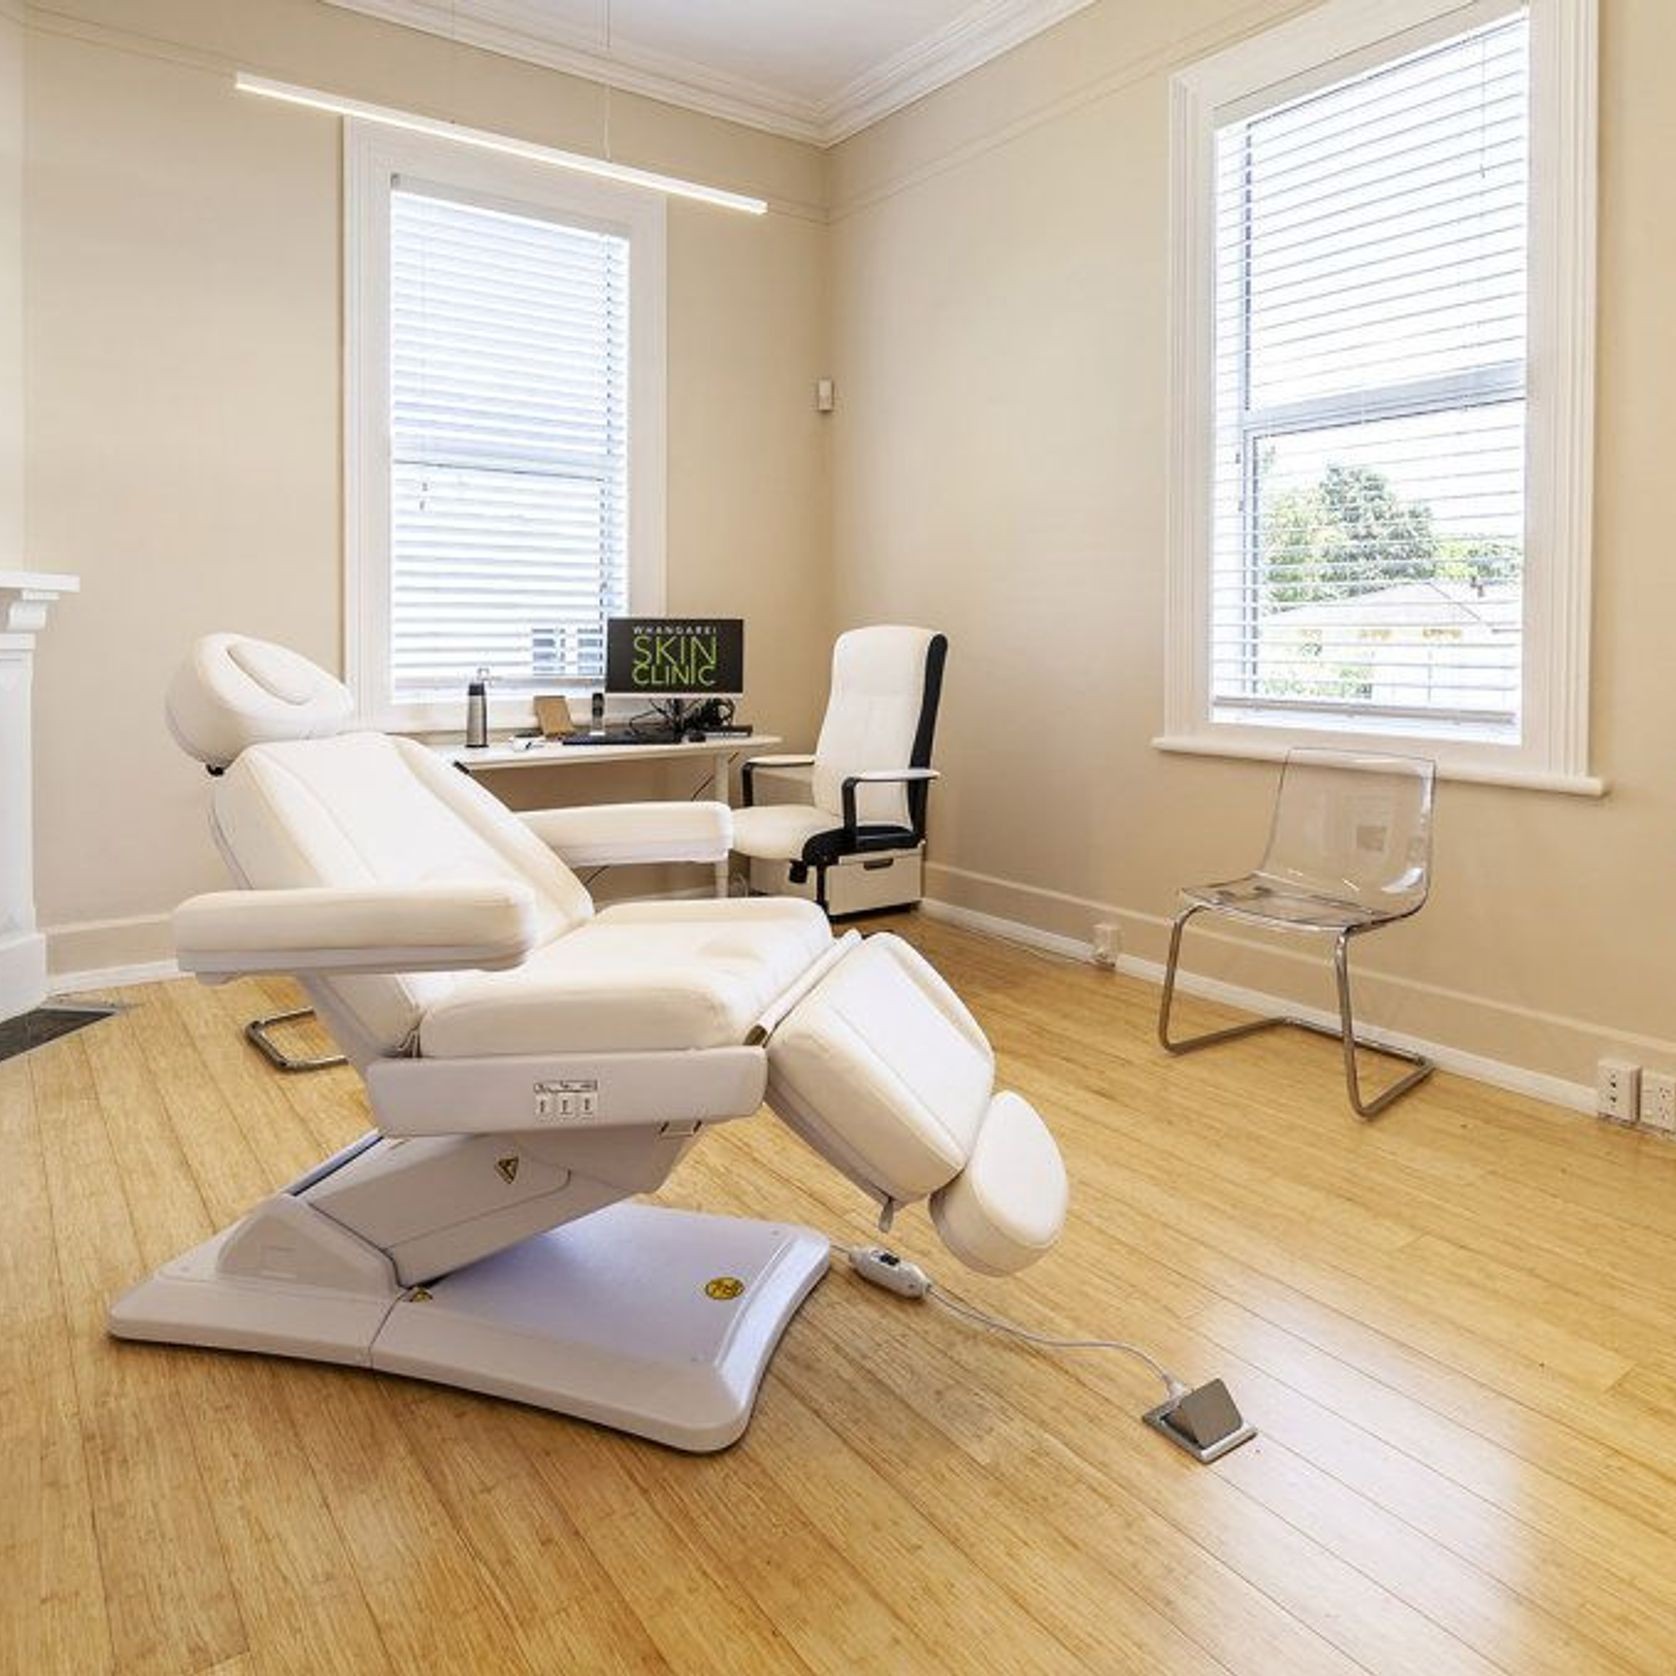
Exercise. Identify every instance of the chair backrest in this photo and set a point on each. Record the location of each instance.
(345, 809)
(1354, 826)
(881, 713)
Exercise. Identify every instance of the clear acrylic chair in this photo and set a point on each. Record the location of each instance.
(1349, 851)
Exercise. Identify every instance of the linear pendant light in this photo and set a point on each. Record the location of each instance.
(485, 141)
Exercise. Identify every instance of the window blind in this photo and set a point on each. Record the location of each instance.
(1368, 525)
(508, 446)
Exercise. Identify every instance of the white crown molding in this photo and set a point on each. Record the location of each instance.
(986, 31)
(516, 29)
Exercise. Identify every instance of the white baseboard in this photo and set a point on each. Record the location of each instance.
(1518, 1079)
(1008, 930)
(112, 977)
(114, 952)
(97, 953)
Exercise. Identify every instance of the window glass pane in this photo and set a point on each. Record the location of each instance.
(509, 456)
(1385, 567)
(1371, 299)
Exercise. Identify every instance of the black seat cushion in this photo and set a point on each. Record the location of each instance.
(823, 849)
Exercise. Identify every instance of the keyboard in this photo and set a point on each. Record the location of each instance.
(617, 736)
(629, 736)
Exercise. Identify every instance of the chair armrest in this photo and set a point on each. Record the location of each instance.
(879, 777)
(615, 834)
(371, 929)
(786, 759)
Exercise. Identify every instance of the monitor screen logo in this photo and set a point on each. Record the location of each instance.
(682, 660)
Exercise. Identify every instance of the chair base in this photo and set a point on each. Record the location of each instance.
(1345, 1034)
(258, 1033)
(859, 884)
(649, 1320)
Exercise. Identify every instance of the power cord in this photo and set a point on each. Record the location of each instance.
(883, 1268)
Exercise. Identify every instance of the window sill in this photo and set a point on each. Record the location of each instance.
(1513, 777)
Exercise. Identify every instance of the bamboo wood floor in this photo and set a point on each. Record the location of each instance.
(1454, 1327)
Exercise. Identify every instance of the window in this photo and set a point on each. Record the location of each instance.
(506, 426)
(1380, 452)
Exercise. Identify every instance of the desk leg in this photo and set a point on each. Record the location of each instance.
(719, 791)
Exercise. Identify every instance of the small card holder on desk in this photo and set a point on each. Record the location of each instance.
(553, 717)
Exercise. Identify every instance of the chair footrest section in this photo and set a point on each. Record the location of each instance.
(888, 1076)
(1007, 1207)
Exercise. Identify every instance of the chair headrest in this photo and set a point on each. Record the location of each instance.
(233, 691)
(884, 657)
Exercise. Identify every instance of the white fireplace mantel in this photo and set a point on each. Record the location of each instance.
(26, 596)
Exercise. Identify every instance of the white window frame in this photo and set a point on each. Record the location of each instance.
(1322, 47)
(374, 156)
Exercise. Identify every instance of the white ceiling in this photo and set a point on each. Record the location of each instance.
(816, 70)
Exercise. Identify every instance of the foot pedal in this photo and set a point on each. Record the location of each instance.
(1205, 1422)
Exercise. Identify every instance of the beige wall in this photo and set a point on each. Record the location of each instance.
(999, 297)
(11, 287)
(184, 342)
(991, 293)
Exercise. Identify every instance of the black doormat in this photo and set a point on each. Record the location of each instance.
(46, 1024)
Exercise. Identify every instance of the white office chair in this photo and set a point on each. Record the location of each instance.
(532, 1065)
(861, 834)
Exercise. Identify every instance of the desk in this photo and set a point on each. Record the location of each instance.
(549, 753)
(717, 753)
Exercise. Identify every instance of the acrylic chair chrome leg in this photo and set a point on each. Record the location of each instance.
(1191, 1044)
(1350, 1042)
(1345, 1033)
(256, 1033)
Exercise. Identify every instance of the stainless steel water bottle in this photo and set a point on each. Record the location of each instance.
(477, 711)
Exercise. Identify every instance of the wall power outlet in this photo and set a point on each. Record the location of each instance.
(1618, 1090)
(1658, 1101)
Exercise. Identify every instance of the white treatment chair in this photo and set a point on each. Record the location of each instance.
(531, 1065)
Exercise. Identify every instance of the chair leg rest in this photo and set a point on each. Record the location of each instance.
(256, 1032)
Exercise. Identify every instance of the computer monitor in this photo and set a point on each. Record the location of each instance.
(675, 657)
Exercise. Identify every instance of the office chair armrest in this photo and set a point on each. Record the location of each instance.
(623, 834)
(787, 759)
(879, 777)
(370, 929)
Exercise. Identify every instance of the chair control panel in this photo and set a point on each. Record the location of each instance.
(575, 1097)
